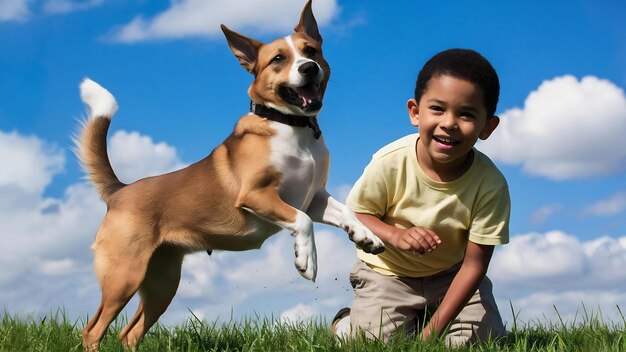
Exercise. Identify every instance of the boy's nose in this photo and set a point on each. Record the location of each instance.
(449, 122)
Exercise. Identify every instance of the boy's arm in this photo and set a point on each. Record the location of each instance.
(415, 239)
(462, 288)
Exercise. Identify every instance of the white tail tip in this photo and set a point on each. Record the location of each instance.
(99, 101)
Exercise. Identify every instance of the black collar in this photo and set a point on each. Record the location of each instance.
(291, 120)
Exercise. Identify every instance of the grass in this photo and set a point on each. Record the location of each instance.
(56, 333)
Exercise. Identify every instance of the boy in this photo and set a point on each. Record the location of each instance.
(440, 206)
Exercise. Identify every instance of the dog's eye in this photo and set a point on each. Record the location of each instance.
(309, 51)
(278, 58)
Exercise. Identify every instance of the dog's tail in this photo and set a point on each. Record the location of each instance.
(91, 142)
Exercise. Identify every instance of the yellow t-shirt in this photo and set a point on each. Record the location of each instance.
(393, 187)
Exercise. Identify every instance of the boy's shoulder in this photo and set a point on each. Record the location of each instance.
(393, 148)
(488, 170)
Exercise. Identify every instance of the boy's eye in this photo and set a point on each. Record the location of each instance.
(436, 108)
(467, 115)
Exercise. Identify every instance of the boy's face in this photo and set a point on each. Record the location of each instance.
(451, 116)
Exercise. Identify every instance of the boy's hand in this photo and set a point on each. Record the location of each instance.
(415, 239)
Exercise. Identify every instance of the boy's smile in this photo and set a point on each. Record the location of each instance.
(451, 116)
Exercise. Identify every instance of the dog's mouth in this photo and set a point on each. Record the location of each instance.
(307, 97)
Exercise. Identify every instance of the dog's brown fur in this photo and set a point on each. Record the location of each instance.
(230, 200)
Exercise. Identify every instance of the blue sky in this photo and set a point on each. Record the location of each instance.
(560, 144)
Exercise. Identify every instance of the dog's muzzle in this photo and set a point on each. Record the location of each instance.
(306, 96)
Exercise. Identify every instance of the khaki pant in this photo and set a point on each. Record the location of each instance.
(385, 304)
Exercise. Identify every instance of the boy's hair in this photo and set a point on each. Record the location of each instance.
(464, 64)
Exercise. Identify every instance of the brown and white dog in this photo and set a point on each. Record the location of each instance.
(269, 174)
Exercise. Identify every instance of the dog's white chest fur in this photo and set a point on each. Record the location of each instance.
(303, 162)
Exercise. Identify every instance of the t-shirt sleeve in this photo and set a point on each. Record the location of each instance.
(369, 194)
(490, 223)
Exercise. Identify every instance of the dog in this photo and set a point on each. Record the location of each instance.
(269, 174)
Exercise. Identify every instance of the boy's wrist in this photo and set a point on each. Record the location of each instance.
(394, 235)
(385, 232)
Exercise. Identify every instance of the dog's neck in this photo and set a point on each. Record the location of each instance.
(291, 120)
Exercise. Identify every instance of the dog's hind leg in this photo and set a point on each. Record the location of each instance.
(120, 284)
(157, 290)
(120, 266)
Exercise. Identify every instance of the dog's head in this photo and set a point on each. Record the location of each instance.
(290, 74)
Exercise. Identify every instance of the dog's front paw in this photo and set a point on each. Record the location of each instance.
(306, 255)
(365, 239)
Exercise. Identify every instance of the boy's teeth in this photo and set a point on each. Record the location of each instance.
(444, 140)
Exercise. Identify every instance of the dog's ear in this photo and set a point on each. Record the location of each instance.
(245, 49)
(307, 24)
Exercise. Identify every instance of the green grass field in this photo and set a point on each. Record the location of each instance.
(56, 333)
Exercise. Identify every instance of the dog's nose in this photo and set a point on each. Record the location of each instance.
(308, 69)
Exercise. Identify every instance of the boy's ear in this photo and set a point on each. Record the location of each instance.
(413, 109)
(490, 126)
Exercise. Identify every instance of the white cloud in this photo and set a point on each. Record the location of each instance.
(21, 10)
(542, 214)
(189, 18)
(556, 260)
(535, 259)
(567, 129)
(46, 261)
(615, 204)
(14, 10)
(67, 6)
(269, 270)
(538, 271)
(57, 267)
(199, 276)
(32, 162)
(298, 314)
(571, 307)
(134, 156)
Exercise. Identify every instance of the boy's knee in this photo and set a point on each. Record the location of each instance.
(480, 320)
(469, 333)
(378, 325)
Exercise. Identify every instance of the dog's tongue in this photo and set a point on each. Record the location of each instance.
(308, 93)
